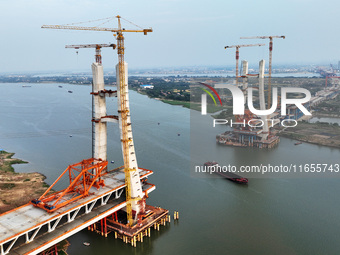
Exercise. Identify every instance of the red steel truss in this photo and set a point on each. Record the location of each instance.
(82, 176)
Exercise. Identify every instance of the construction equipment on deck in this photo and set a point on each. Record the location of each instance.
(82, 176)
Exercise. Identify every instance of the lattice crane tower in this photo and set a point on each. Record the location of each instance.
(134, 192)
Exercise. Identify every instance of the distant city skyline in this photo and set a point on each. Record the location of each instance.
(186, 33)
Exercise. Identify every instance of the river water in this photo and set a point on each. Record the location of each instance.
(51, 128)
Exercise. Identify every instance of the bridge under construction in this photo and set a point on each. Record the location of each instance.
(258, 133)
(96, 197)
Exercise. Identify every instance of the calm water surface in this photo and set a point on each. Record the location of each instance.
(51, 128)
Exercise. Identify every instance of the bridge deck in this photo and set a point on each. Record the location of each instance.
(27, 220)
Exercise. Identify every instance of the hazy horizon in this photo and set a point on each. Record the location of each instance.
(165, 69)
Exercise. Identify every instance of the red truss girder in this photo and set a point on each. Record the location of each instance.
(82, 177)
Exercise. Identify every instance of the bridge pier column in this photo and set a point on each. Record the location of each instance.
(101, 227)
(105, 227)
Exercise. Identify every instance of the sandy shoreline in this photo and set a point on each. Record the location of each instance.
(17, 189)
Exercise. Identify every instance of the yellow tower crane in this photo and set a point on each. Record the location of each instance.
(124, 107)
(98, 56)
(238, 54)
(270, 61)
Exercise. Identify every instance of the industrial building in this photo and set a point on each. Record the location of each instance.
(327, 93)
(147, 86)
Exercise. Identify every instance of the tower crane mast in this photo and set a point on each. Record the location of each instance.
(238, 55)
(270, 60)
(133, 193)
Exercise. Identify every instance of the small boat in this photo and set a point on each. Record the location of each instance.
(70, 91)
(60, 86)
(86, 243)
(297, 143)
(26, 86)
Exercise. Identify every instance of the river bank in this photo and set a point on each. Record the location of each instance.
(326, 134)
(193, 106)
(317, 133)
(326, 115)
(17, 189)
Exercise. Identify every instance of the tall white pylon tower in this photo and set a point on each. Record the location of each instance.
(126, 137)
(99, 94)
(134, 193)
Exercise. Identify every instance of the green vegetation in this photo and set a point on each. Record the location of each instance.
(171, 88)
(176, 102)
(211, 108)
(329, 107)
(293, 136)
(17, 189)
(7, 186)
(6, 161)
(187, 93)
(225, 114)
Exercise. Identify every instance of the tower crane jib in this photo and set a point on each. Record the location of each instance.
(238, 54)
(270, 37)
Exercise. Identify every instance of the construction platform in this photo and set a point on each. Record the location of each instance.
(116, 223)
(31, 230)
(244, 138)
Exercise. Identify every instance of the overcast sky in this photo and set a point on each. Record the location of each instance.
(186, 32)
